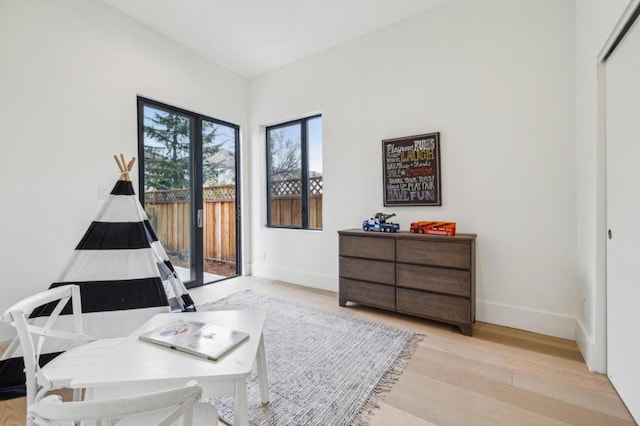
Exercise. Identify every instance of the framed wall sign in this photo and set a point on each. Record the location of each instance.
(411, 170)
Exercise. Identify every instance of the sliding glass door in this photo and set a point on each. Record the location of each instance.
(189, 187)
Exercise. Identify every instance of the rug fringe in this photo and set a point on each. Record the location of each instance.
(386, 382)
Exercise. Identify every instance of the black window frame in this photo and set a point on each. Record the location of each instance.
(304, 166)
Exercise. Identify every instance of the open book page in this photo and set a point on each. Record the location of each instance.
(196, 337)
(176, 333)
(215, 341)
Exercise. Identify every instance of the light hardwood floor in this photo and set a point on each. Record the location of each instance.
(500, 376)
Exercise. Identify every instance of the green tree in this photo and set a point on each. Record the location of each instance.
(212, 142)
(167, 150)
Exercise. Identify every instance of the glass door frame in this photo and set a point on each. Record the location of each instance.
(197, 205)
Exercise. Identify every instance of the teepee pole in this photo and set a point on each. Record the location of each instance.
(130, 165)
(124, 167)
(115, 157)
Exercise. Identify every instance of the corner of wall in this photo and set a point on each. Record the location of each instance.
(595, 362)
(246, 269)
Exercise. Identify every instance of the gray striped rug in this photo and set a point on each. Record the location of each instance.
(324, 368)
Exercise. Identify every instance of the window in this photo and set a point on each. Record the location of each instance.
(189, 187)
(294, 174)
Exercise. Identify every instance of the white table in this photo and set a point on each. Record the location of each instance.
(124, 366)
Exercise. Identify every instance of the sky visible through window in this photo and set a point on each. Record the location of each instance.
(314, 132)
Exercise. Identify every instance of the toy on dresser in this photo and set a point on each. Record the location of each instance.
(379, 223)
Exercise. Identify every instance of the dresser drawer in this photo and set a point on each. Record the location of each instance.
(373, 247)
(380, 296)
(436, 306)
(367, 270)
(450, 281)
(436, 253)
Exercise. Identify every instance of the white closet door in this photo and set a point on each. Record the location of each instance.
(623, 218)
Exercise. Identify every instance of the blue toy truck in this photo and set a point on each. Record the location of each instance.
(379, 223)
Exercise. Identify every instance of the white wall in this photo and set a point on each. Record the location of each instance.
(497, 79)
(494, 77)
(595, 20)
(70, 71)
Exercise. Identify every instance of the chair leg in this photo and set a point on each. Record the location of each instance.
(204, 413)
(88, 394)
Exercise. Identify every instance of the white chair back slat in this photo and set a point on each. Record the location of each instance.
(76, 304)
(46, 330)
(162, 408)
(28, 352)
(58, 334)
(28, 304)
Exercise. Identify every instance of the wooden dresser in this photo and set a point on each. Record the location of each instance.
(429, 276)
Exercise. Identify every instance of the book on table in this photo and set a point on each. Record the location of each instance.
(196, 337)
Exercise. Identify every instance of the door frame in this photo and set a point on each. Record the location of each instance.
(197, 240)
(598, 358)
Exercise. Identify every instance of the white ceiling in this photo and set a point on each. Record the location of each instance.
(251, 37)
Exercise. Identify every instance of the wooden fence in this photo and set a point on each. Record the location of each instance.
(172, 223)
(168, 212)
(287, 211)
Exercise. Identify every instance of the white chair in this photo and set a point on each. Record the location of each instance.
(161, 408)
(31, 335)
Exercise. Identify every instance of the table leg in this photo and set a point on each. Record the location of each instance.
(261, 361)
(88, 394)
(240, 406)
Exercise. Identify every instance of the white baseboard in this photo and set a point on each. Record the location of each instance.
(587, 347)
(303, 278)
(547, 323)
(585, 344)
(247, 269)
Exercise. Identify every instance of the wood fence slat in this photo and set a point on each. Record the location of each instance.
(183, 226)
(296, 211)
(232, 230)
(208, 230)
(175, 219)
(275, 219)
(186, 226)
(286, 212)
(169, 227)
(224, 230)
(218, 228)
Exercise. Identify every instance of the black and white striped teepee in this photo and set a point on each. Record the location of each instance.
(119, 263)
(123, 272)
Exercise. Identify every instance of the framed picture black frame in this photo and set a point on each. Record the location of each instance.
(411, 170)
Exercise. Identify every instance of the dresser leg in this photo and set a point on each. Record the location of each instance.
(342, 301)
(467, 330)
